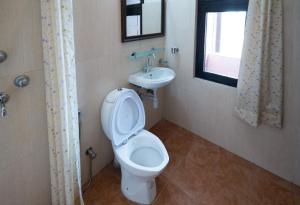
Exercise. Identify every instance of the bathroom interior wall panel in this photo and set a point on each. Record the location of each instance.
(102, 66)
(206, 108)
(24, 158)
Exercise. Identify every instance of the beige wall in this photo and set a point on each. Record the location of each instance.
(24, 163)
(206, 108)
(102, 66)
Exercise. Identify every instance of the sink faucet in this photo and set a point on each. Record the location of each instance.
(149, 64)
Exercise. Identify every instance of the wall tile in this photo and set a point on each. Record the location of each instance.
(24, 143)
(102, 66)
(24, 155)
(206, 108)
(22, 37)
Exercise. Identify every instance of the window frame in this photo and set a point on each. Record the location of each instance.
(203, 7)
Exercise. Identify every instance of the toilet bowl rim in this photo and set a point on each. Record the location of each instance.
(158, 145)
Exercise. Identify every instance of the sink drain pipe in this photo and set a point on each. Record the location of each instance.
(150, 94)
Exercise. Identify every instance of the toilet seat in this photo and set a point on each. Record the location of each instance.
(128, 115)
(143, 155)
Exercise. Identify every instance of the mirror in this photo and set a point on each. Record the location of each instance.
(142, 19)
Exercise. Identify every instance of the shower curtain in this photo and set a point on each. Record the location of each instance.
(61, 100)
(260, 86)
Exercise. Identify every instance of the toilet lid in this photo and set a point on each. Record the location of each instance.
(128, 116)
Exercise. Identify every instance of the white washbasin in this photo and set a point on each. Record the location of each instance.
(156, 78)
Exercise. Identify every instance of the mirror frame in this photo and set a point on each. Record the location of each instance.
(140, 37)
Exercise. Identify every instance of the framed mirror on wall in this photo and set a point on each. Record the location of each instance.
(142, 19)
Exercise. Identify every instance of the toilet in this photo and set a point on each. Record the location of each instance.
(141, 155)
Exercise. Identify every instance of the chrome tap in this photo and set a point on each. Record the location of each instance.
(3, 56)
(4, 97)
(149, 64)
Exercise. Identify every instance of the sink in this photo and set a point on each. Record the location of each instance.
(154, 79)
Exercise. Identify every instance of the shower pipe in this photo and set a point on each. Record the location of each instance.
(91, 154)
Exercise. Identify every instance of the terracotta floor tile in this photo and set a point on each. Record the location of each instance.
(177, 147)
(169, 125)
(163, 133)
(111, 170)
(294, 188)
(193, 180)
(165, 127)
(268, 176)
(92, 197)
(297, 199)
(199, 172)
(227, 196)
(118, 199)
(105, 187)
(174, 162)
(172, 195)
(235, 174)
(161, 182)
(201, 154)
(268, 191)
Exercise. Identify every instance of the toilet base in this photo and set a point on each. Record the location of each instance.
(141, 190)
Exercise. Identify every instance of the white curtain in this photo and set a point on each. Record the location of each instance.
(61, 99)
(260, 86)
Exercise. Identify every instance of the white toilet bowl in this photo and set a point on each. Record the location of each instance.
(141, 154)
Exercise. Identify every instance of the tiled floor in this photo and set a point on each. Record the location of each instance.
(199, 172)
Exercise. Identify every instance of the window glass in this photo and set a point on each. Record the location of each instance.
(224, 42)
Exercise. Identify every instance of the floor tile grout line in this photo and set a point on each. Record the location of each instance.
(170, 181)
(160, 193)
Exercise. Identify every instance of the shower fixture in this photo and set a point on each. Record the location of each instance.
(21, 81)
(92, 155)
(4, 97)
(3, 56)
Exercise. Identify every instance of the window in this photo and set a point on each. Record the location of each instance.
(220, 37)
